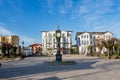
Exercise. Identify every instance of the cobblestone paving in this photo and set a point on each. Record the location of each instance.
(34, 68)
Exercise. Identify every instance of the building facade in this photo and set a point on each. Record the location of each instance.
(84, 39)
(36, 48)
(10, 40)
(49, 43)
(13, 40)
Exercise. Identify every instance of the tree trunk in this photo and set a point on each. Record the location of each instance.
(109, 54)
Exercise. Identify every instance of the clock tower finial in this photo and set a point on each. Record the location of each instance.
(58, 27)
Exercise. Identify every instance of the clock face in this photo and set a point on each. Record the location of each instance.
(58, 34)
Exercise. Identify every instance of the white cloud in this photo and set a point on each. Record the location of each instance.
(27, 40)
(98, 15)
(1, 3)
(57, 6)
(83, 9)
(97, 7)
(50, 4)
(15, 5)
(5, 32)
(65, 7)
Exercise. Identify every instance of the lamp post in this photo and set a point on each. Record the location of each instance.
(58, 54)
(22, 45)
(22, 53)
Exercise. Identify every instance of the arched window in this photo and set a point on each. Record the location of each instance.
(84, 36)
(87, 36)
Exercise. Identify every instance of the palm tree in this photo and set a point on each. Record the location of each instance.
(100, 43)
(112, 46)
(109, 47)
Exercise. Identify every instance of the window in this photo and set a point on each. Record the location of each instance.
(49, 40)
(49, 45)
(69, 46)
(68, 34)
(66, 46)
(90, 42)
(54, 39)
(90, 36)
(54, 35)
(70, 40)
(49, 34)
(87, 36)
(94, 37)
(64, 40)
(98, 36)
(63, 35)
(82, 36)
(67, 39)
(46, 40)
(82, 42)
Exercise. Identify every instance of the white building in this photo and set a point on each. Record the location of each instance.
(49, 44)
(84, 39)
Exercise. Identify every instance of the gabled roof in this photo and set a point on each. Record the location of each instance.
(98, 33)
(95, 33)
(34, 45)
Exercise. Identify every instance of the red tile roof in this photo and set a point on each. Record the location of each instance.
(34, 45)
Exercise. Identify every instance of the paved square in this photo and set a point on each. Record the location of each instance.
(34, 68)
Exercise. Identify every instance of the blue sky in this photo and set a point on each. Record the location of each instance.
(27, 18)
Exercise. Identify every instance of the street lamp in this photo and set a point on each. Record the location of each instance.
(22, 46)
(22, 53)
(58, 54)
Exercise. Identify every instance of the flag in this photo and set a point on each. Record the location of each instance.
(78, 41)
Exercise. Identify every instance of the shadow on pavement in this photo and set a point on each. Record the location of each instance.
(41, 68)
(92, 73)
